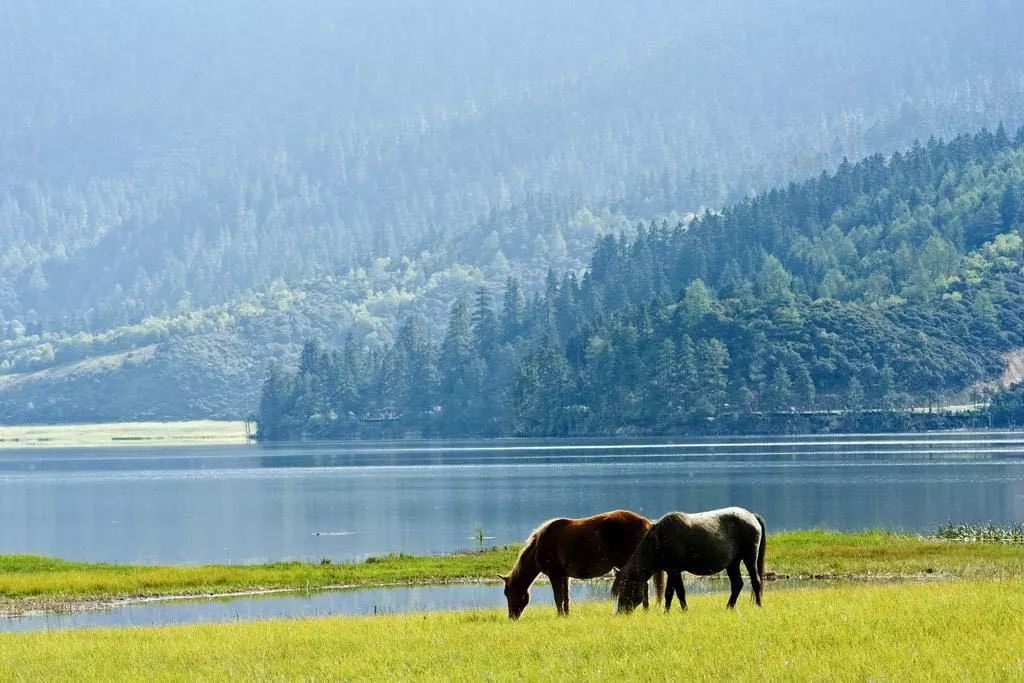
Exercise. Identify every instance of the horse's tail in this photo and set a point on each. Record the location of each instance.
(760, 549)
(616, 583)
(659, 586)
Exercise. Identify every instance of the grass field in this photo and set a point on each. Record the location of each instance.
(123, 434)
(938, 631)
(31, 582)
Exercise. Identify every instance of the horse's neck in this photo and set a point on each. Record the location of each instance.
(526, 569)
(645, 560)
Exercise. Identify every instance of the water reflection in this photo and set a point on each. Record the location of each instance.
(364, 601)
(347, 501)
(317, 604)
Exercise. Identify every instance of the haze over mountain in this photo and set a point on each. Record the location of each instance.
(189, 190)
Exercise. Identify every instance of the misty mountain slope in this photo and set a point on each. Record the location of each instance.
(894, 282)
(136, 371)
(184, 157)
(239, 157)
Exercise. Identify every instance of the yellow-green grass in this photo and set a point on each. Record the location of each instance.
(957, 630)
(32, 582)
(123, 433)
(878, 554)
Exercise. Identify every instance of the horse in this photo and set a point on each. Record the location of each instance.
(703, 543)
(584, 548)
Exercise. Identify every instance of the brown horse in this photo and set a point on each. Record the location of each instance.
(703, 543)
(576, 548)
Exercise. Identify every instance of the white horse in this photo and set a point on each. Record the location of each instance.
(702, 543)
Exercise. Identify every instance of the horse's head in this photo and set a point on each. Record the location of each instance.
(518, 598)
(629, 591)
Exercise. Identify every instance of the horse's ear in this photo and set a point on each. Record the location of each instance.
(503, 578)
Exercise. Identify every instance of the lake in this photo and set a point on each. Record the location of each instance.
(390, 600)
(347, 501)
(358, 601)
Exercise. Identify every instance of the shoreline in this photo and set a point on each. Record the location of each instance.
(31, 607)
(31, 583)
(233, 433)
(636, 436)
(148, 433)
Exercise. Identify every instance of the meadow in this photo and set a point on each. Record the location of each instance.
(218, 432)
(30, 582)
(935, 631)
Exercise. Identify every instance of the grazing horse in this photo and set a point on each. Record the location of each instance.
(579, 549)
(703, 543)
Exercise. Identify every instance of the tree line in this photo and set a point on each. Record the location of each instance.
(892, 282)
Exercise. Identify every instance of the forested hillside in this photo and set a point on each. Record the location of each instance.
(188, 190)
(891, 282)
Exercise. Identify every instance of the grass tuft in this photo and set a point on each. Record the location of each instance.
(982, 533)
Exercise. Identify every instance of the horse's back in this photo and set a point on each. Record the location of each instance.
(714, 534)
(623, 520)
(614, 524)
(591, 546)
(735, 517)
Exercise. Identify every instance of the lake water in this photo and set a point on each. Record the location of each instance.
(347, 501)
(317, 604)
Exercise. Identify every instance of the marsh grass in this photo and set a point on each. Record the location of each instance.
(953, 630)
(31, 582)
(28, 581)
(982, 533)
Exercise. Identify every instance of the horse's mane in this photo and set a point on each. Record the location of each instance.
(529, 546)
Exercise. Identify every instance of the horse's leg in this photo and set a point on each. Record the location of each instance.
(680, 590)
(670, 588)
(558, 587)
(755, 580)
(565, 595)
(735, 581)
(647, 596)
(659, 586)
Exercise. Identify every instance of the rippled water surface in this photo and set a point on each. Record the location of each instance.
(291, 605)
(347, 501)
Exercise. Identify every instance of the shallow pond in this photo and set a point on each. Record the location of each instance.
(360, 601)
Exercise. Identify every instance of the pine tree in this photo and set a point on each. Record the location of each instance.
(855, 395)
(459, 369)
(275, 405)
(513, 312)
(697, 301)
(485, 324)
(803, 386)
(780, 390)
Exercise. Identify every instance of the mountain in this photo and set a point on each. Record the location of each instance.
(199, 187)
(893, 282)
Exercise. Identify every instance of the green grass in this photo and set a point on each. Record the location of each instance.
(123, 433)
(955, 630)
(985, 533)
(881, 554)
(29, 582)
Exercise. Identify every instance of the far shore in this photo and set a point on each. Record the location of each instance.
(185, 433)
